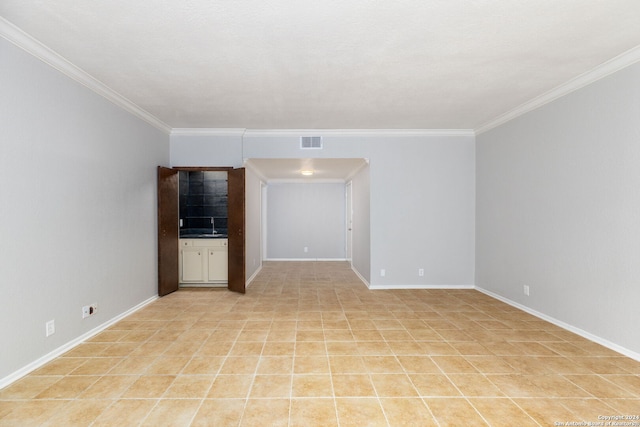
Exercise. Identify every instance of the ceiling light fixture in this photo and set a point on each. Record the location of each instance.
(307, 172)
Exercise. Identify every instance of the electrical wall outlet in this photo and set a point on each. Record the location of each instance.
(383, 272)
(89, 310)
(421, 272)
(50, 327)
(526, 290)
(306, 249)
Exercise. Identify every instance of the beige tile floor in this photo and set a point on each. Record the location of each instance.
(310, 345)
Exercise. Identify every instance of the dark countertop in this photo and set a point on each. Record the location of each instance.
(203, 236)
(202, 233)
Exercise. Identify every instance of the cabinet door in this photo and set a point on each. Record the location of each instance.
(235, 230)
(218, 264)
(192, 264)
(167, 230)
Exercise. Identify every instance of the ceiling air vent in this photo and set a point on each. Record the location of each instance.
(311, 142)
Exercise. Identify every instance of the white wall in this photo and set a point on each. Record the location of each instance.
(422, 201)
(253, 223)
(218, 150)
(310, 215)
(361, 233)
(558, 209)
(421, 198)
(423, 211)
(77, 210)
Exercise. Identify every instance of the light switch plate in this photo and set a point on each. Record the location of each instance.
(50, 328)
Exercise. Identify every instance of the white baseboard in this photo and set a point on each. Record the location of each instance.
(306, 259)
(613, 346)
(253, 276)
(205, 285)
(360, 277)
(71, 344)
(420, 286)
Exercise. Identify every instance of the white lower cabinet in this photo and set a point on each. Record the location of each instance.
(203, 261)
(192, 264)
(218, 263)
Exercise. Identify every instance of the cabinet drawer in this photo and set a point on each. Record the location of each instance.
(202, 243)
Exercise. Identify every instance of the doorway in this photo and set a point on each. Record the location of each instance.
(293, 228)
(169, 221)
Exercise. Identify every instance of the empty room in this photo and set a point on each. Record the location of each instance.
(320, 213)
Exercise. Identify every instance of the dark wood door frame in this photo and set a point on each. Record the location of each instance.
(167, 230)
(203, 169)
(236, 229)
(168, 233)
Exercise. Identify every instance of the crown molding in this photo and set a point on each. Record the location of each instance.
(603, 70)
(275, 133)
(281, 133)
(29, 44)
(208, 131)
(26, 42)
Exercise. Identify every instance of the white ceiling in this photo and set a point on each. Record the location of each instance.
(331, 64)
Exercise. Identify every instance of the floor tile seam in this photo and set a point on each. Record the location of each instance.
(333, 391)
(116, 399)
(253, 378)
(142, 421)
(67, 376)
(597, 375)
(121, 339)
(524, 410)
(270, 398)
(489, 396)
(108, 375)
(32, 399)
(566, 398)
(225, 358)
(290, 393)
(579, 416)
(180, 374)
(446, 375)
(466, 398)
(193, 356)
(637, 376)
(337, 398)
